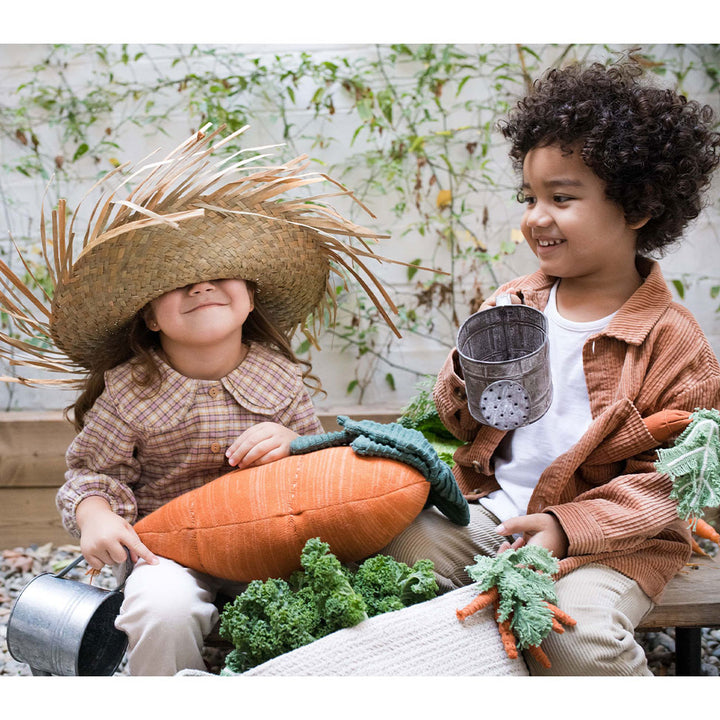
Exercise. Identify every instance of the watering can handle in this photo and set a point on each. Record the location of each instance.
(128, 569)
(503, 299)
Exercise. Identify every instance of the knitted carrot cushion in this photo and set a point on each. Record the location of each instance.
(253, 523)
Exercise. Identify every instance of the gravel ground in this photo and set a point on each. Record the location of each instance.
(20, 565)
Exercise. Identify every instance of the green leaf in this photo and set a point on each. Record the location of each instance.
(385, 101)
(417, 143)
(364, 108)
(390, 380)
(82, 149)
(411, 271)
(680, 288)
(303, 347)
(351, 386)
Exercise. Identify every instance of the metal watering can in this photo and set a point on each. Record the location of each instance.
(505, 359)
(60, 626)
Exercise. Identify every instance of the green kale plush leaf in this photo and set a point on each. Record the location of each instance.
(275, 616)
(387, 584)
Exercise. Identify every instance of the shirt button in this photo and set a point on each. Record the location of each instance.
(215, 447)
(213, 392)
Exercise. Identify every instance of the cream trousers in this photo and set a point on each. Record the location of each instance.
(606, 604)
(167, 612)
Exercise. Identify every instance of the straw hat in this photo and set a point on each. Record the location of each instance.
(191, 217)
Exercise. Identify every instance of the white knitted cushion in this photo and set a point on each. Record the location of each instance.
(424, 639)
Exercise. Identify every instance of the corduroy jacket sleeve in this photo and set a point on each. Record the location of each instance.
(634, 506)
(451, 400)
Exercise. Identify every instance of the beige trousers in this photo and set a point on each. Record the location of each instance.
(167, 612)
(606, 604)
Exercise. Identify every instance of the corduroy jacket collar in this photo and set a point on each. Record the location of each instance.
(636, 317)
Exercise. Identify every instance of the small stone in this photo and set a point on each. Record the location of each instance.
(660, 653)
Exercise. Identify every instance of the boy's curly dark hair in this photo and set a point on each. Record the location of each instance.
(654, 149)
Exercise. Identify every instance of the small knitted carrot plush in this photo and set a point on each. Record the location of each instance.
(519, 585)
(692, 462)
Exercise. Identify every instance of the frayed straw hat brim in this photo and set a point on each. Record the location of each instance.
(115, 279)
(190, 217)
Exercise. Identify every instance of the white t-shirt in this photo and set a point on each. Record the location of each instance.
(526, 451)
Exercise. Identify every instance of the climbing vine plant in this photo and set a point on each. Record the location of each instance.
(410, 127)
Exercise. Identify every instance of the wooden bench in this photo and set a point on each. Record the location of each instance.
(691, 601)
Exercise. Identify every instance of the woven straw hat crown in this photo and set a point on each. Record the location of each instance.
(191, 217)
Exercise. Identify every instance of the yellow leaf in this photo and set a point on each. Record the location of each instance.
(479, 244)
(516, 236)
(114, 162)
(444, 198)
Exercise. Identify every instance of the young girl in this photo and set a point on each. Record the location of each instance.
(180, 309)
(612, 169)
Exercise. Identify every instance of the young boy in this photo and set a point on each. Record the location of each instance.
(612, 169)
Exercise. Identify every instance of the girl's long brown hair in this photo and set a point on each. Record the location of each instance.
(137, 341)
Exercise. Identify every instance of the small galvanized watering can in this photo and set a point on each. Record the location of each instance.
(504, 356)
(60, 626)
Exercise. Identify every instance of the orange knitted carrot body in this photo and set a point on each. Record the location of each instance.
(704, 530)
(478, 603)
(561, 615)
(539, 654)
(508, 638)
(666, 423)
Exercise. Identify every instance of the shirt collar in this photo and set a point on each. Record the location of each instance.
(261, 383)
(264, 381)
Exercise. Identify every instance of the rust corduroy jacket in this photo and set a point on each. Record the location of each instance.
(605, 492)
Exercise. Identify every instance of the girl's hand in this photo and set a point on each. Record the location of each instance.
(104, 535)
(260, 444)
(536, 529)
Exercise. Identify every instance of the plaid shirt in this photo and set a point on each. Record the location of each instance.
(141, 447)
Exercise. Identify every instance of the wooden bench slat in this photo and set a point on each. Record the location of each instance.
(28, 516)
(691, 599)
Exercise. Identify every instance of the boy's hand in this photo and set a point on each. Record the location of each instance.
(104, 535)
(491, 302)
(536, 529)
(260, 444)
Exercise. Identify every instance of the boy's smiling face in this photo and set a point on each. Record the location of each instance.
(569, 223)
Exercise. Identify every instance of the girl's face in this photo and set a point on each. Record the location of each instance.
(569, 223)
(202, 314)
